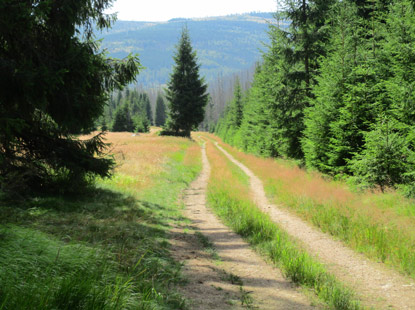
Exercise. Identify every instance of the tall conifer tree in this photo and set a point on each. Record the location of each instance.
(186, 92)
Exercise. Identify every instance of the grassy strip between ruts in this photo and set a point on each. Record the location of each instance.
(380, 225)
(228, 195)
(107, 249)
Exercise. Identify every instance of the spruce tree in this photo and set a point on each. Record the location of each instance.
(232, 119)
(387, 159)
(237, 106)
(54, 84)
(329, 92)
(160, 118)
(123, 120)
(350, 90)
(149, 112)
(186, 91)
(257, 133)
(282, 89)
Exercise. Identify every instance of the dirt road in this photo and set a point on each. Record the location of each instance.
(234, 277)
(376, 285)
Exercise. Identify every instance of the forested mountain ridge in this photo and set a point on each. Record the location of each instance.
(224, 45)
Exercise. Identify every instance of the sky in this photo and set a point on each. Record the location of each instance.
(163, 10)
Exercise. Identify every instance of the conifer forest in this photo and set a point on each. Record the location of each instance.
(334, 91)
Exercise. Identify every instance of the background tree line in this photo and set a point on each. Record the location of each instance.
(131, 110)
(335, 91)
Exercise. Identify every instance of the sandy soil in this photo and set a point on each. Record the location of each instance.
(210, 287)
(376, 285)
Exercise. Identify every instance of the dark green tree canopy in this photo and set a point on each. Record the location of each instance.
(129, 110)
(160, 118)
(122, 119)
(186, 92)
(54, 83)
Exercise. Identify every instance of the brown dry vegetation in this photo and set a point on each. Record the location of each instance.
(142, 156)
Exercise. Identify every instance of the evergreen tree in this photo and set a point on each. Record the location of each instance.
(131, 113)
(386, 158)
(400, 60)
(54, 84)
(302, 45)
(330, 90)
(256, 133)
(141, 123)
(104, 126)
(186, 91)
(123, 120)
(160, 118)
(232, 119)
(149, 112)
(350, 90)
(307, 36)
(282, 89)
(119, 97)
(236, 106)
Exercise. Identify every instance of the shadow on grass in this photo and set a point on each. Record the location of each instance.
(126, 226)
(128, 231)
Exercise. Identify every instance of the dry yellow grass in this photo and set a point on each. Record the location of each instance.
(223, 172)
(141, 157)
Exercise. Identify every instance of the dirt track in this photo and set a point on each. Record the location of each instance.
(376, 285)
(209, 287)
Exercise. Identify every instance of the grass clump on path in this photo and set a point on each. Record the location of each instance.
(228, 195)
(107, 249)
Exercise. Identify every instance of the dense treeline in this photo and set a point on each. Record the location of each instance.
(131, 111)
(335, 91)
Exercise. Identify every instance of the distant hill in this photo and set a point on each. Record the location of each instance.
(224, 45)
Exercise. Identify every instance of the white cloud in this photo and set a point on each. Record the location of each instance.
(162, 10)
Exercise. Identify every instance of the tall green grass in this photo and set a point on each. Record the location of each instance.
(40, 272)
(225, 196)
(385, 242)
(107, 249)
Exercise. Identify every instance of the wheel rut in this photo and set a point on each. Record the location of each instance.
(376, 285)
(210, 286)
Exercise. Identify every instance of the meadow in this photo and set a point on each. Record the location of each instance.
(229, 196)
(107, 248)
(380, 225)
